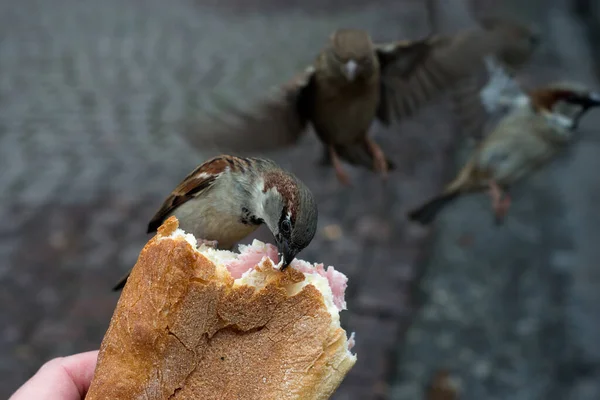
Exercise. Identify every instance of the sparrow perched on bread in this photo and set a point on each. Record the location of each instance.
(227, 198)
(539, 124)
(354, 81)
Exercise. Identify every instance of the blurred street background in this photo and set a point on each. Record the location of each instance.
(91, 95)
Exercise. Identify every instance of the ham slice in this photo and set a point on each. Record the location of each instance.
(253, 254)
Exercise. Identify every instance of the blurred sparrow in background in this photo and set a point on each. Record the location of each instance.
(540, 124)
(354, 81)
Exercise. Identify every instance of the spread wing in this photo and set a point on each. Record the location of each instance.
(275, 122)
(414, 72)
(482, 100)
(408, 77)
(197, 182)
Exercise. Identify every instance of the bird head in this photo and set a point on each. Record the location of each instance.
(350, 54)
(570, 100)
(289, 211)
(515, 42)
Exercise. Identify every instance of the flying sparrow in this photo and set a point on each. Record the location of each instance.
(539, 124)
(354, 81)
(227, 198)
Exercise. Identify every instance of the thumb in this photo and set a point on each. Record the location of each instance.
(63, 378)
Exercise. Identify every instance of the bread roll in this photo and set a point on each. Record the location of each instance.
(185, 327)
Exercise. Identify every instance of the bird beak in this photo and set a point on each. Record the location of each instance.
(593, 99)
(350, 69)
(286, 253)
(587, 101)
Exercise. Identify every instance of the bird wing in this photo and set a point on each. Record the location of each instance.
(501, 90)
(275, 122)
(414, 72)
(481, 100)
(195, 183)
(406, 77)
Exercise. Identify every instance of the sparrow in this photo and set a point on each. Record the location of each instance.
(353, 82)
(538, 125)
(227, 198)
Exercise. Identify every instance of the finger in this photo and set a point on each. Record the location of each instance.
(63, 378)
(80, 368)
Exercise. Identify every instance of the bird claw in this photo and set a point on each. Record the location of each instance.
(341, 175)
(499, 217)
(381, 167)
(380, 163)
(500, 202)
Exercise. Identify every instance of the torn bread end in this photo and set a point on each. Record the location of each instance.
(256, 254)
(217, 323)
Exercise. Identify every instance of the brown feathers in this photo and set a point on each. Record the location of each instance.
(544, 99)
(512, 46)
(414, 73)
(197, 181)
(514, 42)
(351, 44)
(409, 78)
(277, 121)
(226, 198)
(285, 185)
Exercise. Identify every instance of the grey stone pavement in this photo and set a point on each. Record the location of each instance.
(90, 96)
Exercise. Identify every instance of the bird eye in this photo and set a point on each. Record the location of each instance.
(286, 227)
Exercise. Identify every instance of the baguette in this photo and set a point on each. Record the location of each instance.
(212, 324)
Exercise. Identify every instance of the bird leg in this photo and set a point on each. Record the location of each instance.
(500, 201)
(339, 169)
(209, 243)
(380, 162)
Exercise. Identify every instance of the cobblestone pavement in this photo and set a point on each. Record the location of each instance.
(90, 92)
(512, 312)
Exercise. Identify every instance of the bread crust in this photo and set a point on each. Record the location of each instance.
(183, 329)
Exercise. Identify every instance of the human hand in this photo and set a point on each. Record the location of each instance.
(63, 378)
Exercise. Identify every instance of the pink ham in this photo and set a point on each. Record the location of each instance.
(351, 341)
(337, 281)
(251, 255)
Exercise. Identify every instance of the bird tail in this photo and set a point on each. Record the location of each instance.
(121, 284)
(463, 183)
(426, 213)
